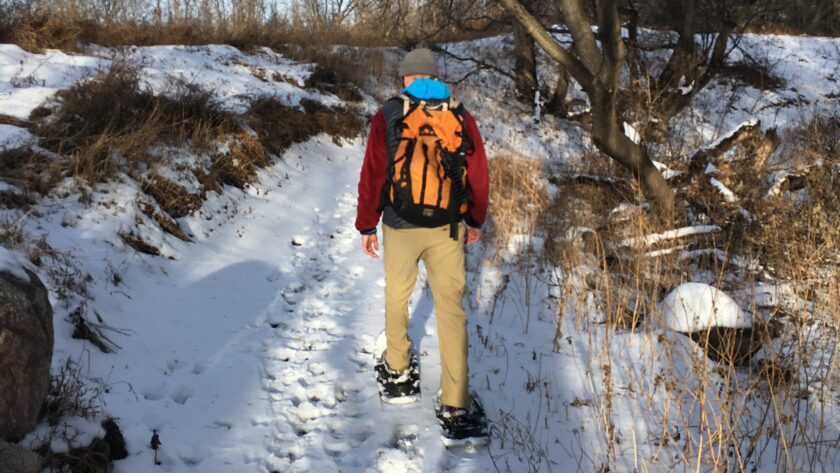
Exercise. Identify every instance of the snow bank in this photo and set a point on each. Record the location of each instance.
(28, 80)
(75, 432)
(691, 307)
(13, 137)
(13, 263)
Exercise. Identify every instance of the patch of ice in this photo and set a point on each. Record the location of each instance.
(691, 307)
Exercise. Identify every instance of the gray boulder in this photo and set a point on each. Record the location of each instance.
(26, 347)
(14, 459)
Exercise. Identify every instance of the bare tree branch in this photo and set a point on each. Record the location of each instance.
(480, 64)
(549, 45)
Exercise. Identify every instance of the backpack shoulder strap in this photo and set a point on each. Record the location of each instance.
(460, 113)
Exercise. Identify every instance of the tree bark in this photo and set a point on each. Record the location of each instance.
(688, 71)
(526, 65)
(557, 105)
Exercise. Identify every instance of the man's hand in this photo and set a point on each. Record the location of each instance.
(473, 234)
(370, 245)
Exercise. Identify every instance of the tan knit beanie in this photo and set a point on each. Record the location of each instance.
(419, 61)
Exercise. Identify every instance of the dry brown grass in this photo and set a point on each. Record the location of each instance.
(340, 70)
(172, 198)
(271, 119)
(518, 196)
(109, 124)
(166, 222)
(28, 169)
(238, 167)
(139, 245)
(327, 80)
(36, 27)
(41, 30)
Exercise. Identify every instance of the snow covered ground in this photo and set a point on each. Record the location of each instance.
(250, 349)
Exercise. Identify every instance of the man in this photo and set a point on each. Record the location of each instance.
(425, 140)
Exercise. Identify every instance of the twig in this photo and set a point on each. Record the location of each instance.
(480, 64)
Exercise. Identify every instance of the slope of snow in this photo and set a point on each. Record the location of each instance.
(27, 80)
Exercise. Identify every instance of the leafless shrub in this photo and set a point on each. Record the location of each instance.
(28, 169)
(340, 70)
(71, 394)
(728, 406)
(327, 80)
(270, 118)
(109, 123)
(516, 439)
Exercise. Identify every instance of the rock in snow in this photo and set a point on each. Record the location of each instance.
(26, 348)
(691, 307)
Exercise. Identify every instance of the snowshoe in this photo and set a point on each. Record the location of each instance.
(398, 387)
(462, 426)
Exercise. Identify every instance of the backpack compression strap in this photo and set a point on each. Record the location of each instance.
(453, 165)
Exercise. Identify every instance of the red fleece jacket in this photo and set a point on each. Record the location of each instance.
(375, 170)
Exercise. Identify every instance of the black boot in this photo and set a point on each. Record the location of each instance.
(398, 387)
(462, 425)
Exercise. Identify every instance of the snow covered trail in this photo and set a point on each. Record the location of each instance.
(251, 350)
(318, 359)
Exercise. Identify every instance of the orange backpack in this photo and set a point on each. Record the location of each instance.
(427, 175)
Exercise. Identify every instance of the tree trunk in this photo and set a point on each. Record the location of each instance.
(609, 137)
(557, 105)
(597, 68)
(526, 65)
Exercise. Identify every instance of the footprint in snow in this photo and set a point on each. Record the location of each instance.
(191, 456)
(174, 365)
(182, 394)
(154, 393)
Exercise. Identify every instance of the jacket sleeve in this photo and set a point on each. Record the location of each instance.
(372, 178)
(477, 176)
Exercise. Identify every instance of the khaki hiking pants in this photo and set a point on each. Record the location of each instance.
(402, 250)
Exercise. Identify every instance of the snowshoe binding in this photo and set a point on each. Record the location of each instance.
(398, 387)
(462, 426)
